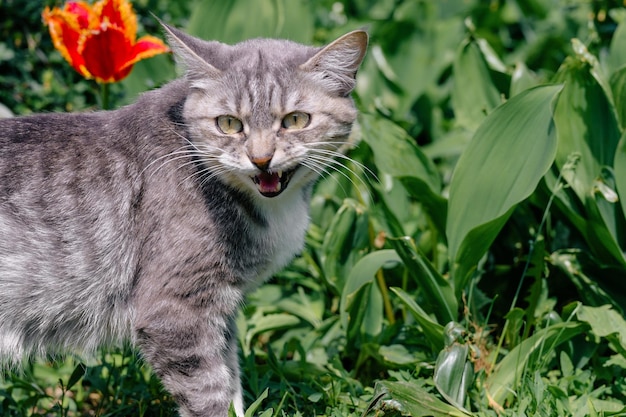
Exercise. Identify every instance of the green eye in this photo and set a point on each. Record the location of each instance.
(296, 120)
(229, 125)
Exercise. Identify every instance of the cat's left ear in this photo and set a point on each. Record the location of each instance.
(187, 53)
(337, 63)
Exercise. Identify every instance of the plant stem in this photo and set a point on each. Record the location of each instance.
(104, 96)
(386, 300)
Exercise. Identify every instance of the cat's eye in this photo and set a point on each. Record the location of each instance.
(229, 125)
(296, 120)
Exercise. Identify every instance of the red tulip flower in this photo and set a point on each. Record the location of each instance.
(99, 40)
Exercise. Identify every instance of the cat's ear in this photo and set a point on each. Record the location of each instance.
(336, 64)
(186, 51)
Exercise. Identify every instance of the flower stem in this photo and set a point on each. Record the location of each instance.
(104, 96)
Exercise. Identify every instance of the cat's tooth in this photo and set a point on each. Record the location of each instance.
(280, 174)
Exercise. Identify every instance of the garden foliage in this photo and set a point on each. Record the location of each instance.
(470, 259)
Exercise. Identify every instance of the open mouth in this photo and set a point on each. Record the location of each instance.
(270, 184)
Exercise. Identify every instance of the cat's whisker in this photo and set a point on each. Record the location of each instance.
(321, 170)
(182, 149)
(338, 167)
(205, 167)
(332, 161)
(172, 157)
(207, 172)
(335, 154)
(333, 165)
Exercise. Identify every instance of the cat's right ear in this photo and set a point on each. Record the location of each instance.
(185, 48)
(336, 64)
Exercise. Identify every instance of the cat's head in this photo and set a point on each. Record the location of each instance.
(268, 115)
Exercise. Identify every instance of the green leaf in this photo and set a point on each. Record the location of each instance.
(347, 234)
(620, 171)
(415, 401)
(268, 323)
(437, 290)
(473, 94)
(605, 322)
(396, 154)
(522, 79)
(432, 330)
(454, 374)
(504, 379)
(617, 50)
(361, 277)
(502, 166)
(435, 205)
(77, 374)
(397, 355)
(586, 125)
(256, 404)
(618, 87)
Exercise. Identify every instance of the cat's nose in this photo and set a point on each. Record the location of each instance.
(261, 162)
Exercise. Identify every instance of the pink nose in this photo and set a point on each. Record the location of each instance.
(262, 162)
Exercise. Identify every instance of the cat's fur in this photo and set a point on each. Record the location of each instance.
(148, 223)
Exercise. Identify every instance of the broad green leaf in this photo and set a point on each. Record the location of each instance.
(432, 330)
(372, 323)
(437, 290)
(233, 21)
(617, 50)
(606, 224)
(397, 355)
(363, 274)
(473, 248)
(502, 166)
(303, 307)
(268, 323)
(504, 379)
(618, 88)
(396, 154)
(620, 171)
(522, 79)
(256, 404)
(586, 125)
(435, 205)
(416, 401)
(473, 94)
(454, 374)
(346, 235)
(605, 322)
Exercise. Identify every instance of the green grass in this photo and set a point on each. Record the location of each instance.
(476, 267)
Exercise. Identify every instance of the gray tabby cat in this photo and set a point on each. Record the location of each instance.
(150, 223)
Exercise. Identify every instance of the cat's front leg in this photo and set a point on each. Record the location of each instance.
(195, 355)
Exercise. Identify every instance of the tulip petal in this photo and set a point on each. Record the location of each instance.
(66, 35)
(106, 54)
(118, 13)
(146, 47)
(83, 13)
